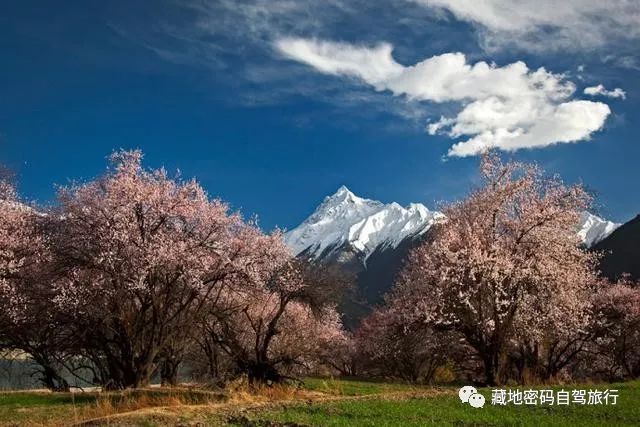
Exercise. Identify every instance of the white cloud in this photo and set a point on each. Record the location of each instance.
(571, 121)
(373, 65)
(509, 107)
(547, 24)
(601, 90)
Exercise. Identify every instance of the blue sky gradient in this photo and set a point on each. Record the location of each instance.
(199, 87)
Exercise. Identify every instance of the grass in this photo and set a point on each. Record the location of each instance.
(355, 387)
(40, 408)
(321, 402)
(43, 408)
(446, 409)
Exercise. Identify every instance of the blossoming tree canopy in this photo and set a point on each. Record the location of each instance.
(507, 257)
(21, 248)
(14, 241)
(144, 255)
(618, 320)
(27, 321)
(281, 321)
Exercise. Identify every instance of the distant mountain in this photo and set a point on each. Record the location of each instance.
(346, 222)
(593, 229)
(371, 239)
(365, 237)
(621, 251)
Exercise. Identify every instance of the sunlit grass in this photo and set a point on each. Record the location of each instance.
(319, 402)
(357, 387)
(38, 408)
(446, 409)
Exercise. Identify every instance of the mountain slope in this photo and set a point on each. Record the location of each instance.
(621, 251)
(346, 221)
(370, 240)
(593, 229)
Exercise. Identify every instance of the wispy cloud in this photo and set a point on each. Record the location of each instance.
(234, 40)
(625, 61)
(243, 42)
(543, 25)
(509, 107)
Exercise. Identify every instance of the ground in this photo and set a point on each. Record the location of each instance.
(319, 402)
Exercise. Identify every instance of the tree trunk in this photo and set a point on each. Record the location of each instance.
(263, 373)
(50, 378)
(169, 371)
(142, 374)
(491, 363)
(129, 375)
(54, 381)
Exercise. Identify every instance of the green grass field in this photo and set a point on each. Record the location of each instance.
(355, 387)
(44, 408)
(446, 409)
(321, 403)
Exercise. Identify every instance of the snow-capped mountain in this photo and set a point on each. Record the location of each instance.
(371, 239)
(593, 229)
(621, 251)
(363, 225)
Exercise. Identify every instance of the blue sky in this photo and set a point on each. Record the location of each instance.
(274, 104)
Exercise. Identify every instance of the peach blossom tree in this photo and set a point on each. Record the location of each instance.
(275, 327)
(392, 345)
(617, 346)
(507, 259)
(141, 257)
(28, 320)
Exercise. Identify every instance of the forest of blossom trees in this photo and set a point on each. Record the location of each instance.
(138, 275)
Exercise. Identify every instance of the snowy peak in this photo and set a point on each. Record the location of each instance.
(593, 229)
(342, 204)
(344, 194)
(365, 225)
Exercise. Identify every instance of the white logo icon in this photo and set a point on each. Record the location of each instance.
(465, 392)
(470, 395)
(476, 400)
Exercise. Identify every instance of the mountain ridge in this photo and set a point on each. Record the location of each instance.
(363, 224)
(346, 220)
(370, 240)
(621, 251)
